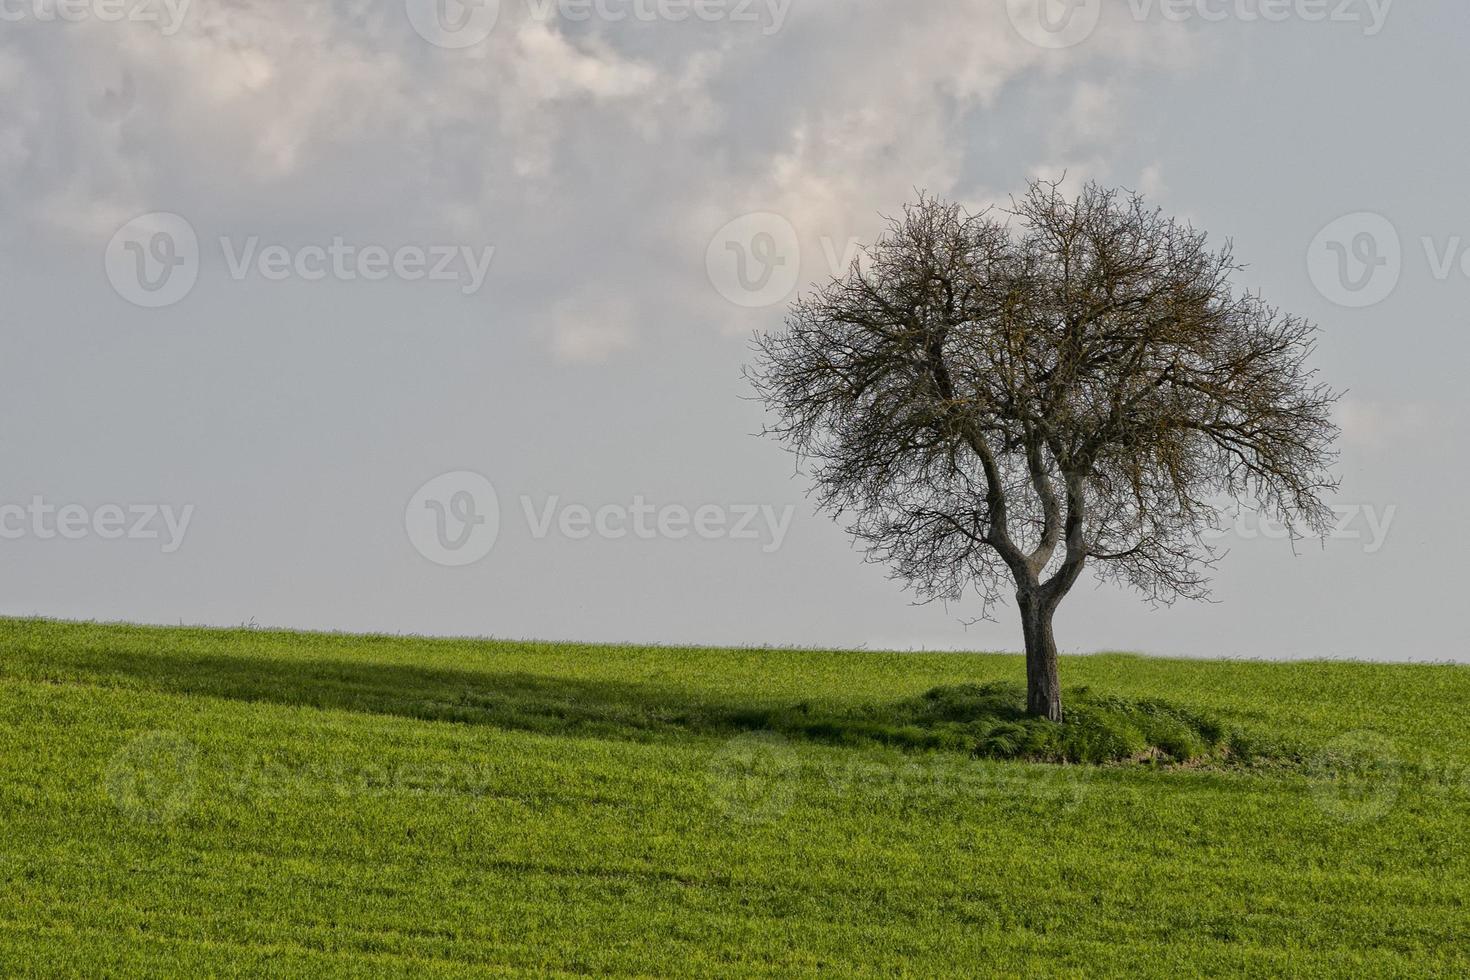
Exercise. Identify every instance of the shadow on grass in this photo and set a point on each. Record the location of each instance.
(512, 700)
(982, 720)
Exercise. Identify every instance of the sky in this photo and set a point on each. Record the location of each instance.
(417, 317)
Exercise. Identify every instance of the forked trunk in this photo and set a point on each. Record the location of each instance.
(1043, 686)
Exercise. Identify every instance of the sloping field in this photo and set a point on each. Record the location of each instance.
(264, 803)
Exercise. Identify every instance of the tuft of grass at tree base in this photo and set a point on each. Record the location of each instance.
(989, 721)
(249, 802)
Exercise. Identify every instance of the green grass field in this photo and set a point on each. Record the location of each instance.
(248, 802)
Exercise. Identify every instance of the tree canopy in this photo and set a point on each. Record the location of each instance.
(1003, 398)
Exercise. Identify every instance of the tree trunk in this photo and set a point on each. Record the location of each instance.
(1043, 686)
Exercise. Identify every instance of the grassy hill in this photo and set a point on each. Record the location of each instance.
(247, 802)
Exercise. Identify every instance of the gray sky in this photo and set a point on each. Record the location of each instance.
(534, 249)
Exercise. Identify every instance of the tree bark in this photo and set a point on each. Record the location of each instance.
(1043, 684)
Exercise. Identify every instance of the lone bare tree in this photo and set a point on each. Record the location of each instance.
(1016, 394)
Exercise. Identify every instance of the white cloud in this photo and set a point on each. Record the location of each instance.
(1092, 115)
(587, 331)
(1377, 425)
(1151, 182)
(542, 138)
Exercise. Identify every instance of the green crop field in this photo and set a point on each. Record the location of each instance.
(249, 802)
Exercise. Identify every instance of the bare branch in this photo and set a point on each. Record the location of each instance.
(1002, 399)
